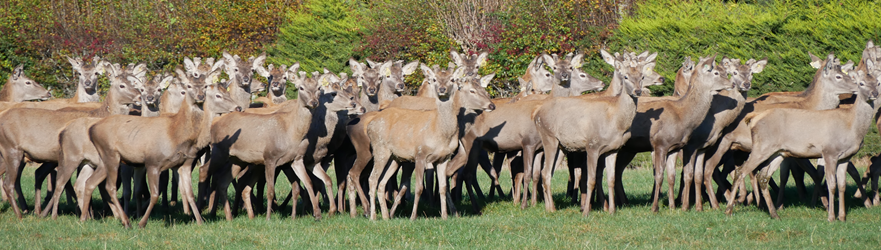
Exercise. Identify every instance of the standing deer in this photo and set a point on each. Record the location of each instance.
(173, 140)
(274, 143)
(439, 136)
(380, 82)
(837, 136)
(724, 110)
(598, 126)
(34, 132)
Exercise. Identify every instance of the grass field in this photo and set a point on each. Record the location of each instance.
(501, 225)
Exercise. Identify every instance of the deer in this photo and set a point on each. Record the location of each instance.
(664, 126)
(174, 140)
(555, 118)
(470, 62)
(724, 109)
(775, 134)
(821, 94)
(241, 75)
(19, 88)
(509, 128)
(235, 140)
(34, 132)
(86, 95)
(335, 104)
(277, 78)
(380, 82)
(439, 131)
(77, 149)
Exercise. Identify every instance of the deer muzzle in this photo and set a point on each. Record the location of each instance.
(400, 87)
(637, 92)
(246, 81)
(564, 76)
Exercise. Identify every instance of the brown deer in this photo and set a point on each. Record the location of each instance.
(821, 94)
(724, 110)
(335, 104)
(78, 150)
(837, 136)
(664, 126)
(241, 74)
(235, 140)
(439, 136)
(174, 140)
(561, 127)
(19, 88)
(34, 132)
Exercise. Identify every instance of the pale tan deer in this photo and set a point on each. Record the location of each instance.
(235, 140)
(837, 136)
(174, 139)
(724, 110)
(595, 125)
(34, 132)
(19, 88)
(438, 130)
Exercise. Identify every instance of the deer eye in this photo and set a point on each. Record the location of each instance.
(548, 75)
(735, 72)
(236, 70)
(473, 92)
(838, 77)
(625, 77)
(862, 84)
(189, 86)
(183, 93)
(333, 94)
(217, 96)
(582, 75)
(715, 73)
(28, 83)
(122, 86)
(96, 73)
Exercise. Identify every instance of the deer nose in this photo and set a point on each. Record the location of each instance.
(313, 103)
(746, 85)
(638, 91)
(363, 110)
(200, 97)
(238, 109)
(371, 90)
(150, 98)
(662, 79)
(492, 106)
(400, 86)
(442, 90)
(246, 80)
(564, 76)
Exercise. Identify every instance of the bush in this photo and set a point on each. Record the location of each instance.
(782, 31)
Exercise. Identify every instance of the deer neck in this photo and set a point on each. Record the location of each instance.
(112, 105)
(6, 94)
(561, 90)
(387, 93)
(148, 111)
(239, 94)
(447, 110)
(370, 103)
(82, 95)
(820, 98)
(279, 99)
(863, 114)
(614, 88)
(186, 122)
(697, 101)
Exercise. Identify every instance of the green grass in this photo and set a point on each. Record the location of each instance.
(501, 225)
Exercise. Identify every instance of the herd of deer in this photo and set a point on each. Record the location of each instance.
(447, 130)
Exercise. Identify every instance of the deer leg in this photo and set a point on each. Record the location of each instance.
(107, 170)
(139, 185)
(659, 159)
(698, 163)
(390, 172)
(670, 165)
(47, 169)
(186, 184)
(153, 183)
(442, 188)
(831, 185)
(14, 164)
(163, 190)
(328, 184)
(303, 175)
(418, 187)
(688, 172)
(762, 181)
(841, 179)
(621, 163)
(64, 175)
(497, 161)
(174, 190)
(611, 157)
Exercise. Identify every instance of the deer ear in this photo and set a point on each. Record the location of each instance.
(651, 57)
(355, 66)
(485, 80)
(758, 66)
(550, 61)
(76, 63)
(457, 59)
(577, 60)
(428, 72)
(212, 78)
(648, 68)
(259, 61)
(524, 86)
(217, 65)
(16, 73)
(371, 63)
(481, 59)
(180, 73)
(847, 67)
(140, 71)
(409, 68)
(816, 62)
(134, 81)
(386, 69)
(262, 71)
(189, 65)
(165, 82)
(607, 57)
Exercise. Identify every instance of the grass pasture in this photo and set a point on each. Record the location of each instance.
(502, 225)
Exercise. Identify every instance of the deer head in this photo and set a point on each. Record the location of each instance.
(710, 75)
(393, 73)
(832, 75)
(196, 86)
(367, 78)
(628, 71)
(581, 81)
(126, 86)
(19, 87)
(88, 72)
(241, 71)
(336, 98)
(542, 79)
(308, 90)
(741, 75)
(473, 93)
(278, 77)
(471, 63)
(867, 84)
(152, 90)
(442, 81)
